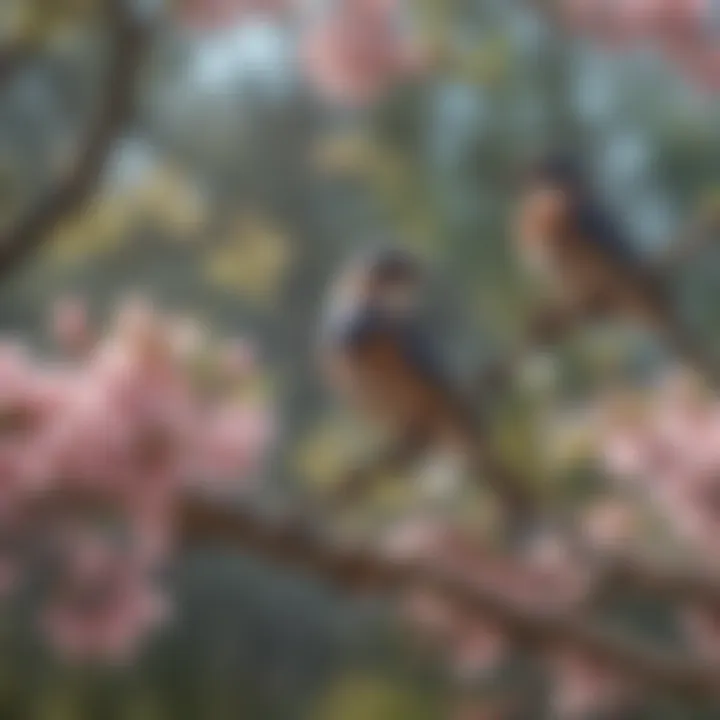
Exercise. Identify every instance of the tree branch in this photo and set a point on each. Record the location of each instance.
(612, 572)
(356, 569)
(21, 240)
(624, 572)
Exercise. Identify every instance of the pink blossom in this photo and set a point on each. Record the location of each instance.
(209, 15)
(431, 612)
(474, 647)
(104, 608)
(70, 325)
(671, 451)
(680, 29)
(229, 440)
(238, 359)
(702, 631)
(357, 51)
(584, 685)
(610, 525)
(111, 437)
(477, 648)
(547, 577)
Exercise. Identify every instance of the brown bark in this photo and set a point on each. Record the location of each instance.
(24, 237)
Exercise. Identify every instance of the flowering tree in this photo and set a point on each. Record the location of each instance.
(113, 455)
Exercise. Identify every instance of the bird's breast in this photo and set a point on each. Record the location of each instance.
(380, 381)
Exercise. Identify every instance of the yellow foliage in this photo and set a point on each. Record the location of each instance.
(328, 452)
(253, 260)
(517, 444)
(163, 198)
(419, 229)
(99, 228)
(141, 706)
(376, 698)
(170, 202)
(36, 21)
(60, 699)
(568, 441)
(324, 454)
(607, 348)
(348, 154)
(488, 64)
(257, 390)
(358, 156)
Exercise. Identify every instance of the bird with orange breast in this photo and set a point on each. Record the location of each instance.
(377, 357)
(566, 239)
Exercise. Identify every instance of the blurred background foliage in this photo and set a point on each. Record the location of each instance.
(233, 196)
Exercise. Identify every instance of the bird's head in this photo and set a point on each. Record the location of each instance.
(557, 171)
(550, 187)
(389, 279)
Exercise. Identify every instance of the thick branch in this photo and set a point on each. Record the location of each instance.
(21, 240)
(628, 572)
(291, 545)
(613, 572)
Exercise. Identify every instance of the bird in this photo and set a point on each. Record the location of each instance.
(580, 251)
(377, 356)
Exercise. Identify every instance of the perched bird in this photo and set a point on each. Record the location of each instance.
(568, 240)
(375, 354)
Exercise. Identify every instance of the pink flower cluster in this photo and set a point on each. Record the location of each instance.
(660, 447)
(209, 15)
(666, 447)
(95, 451)
(352, 51)
(548, 578)
(358, 49)
(685, 30)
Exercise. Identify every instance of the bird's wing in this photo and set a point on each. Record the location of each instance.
(405, 337)
(355, 331)
(597, 225)
(421, 353)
